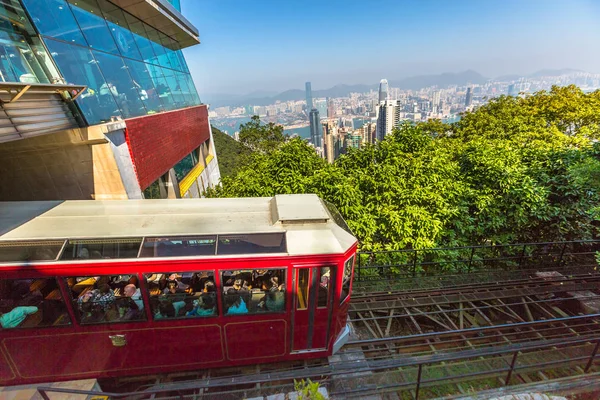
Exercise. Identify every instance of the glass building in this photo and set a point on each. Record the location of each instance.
(111, 66)
(130, 68)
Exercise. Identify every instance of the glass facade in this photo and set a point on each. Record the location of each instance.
(22, 56)
(130, 68)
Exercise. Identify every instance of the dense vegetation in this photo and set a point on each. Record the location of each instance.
(515, 170)
(232, 154)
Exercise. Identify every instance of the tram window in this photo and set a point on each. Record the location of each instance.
(252, 243)
(179, 246)
(106, 299)
(182, 294)
(30, 251)
(347, 279)
(31, 303)
(94, 249)
(303, 285)
(253, 291)
(324, 283)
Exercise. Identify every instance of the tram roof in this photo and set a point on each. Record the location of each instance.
(310, 227)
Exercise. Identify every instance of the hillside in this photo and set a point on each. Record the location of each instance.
(230, 153)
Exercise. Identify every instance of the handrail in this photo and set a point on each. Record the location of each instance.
(342, 368)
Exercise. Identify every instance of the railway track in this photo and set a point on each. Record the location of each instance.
(522, 330)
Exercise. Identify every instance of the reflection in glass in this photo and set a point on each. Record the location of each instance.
(141, 38)
(119, 85)
(94, 28)
(119, 28)
(22, 59)
(54, 18)
(79, 68)
(143, 82)
(162, 88)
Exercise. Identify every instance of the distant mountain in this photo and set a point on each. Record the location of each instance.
(508, 78)
(554, 72)
(442, 80)
(412, 83)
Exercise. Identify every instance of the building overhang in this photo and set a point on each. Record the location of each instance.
(164, 17)
(33, 109)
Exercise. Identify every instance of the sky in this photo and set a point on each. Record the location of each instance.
(273, 45)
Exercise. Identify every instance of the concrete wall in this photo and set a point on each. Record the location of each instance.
(76, 164)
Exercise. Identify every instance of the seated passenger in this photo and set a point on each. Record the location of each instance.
(16, 316)
(134, 293)
(165, 310)
(102, 298)
(275, 301)
(131, 311)
(234, 303)
(204, 306)
(175, 278)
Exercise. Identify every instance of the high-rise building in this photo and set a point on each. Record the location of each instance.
(435, 101)
(321, 106)
(315, 127)
(112, 110)
(330, 108)
(388, 117)
(512, 90)
(383, 90)
(309, 101)
(469, 98)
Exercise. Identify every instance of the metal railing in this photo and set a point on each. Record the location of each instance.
(508, 360)
(373, 265)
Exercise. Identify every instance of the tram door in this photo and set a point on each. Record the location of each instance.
(312, 307)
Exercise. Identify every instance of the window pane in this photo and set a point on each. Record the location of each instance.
(143, 82)
(193, 92)
(119, 28)
(141, 38)
(302, 287)
(79, 68)
(162, 88)
(29, 303)
(92, 24)
(171, 47)
(30, 251)
(179, 246)
(347, 279)
(96, 249)
(174, 87)
(54, 18)
(183, 167)
(252, 243)
(106, 299)
(182, 294)
(324, 283)
(161, 55)
(253, 291)
(120, 85)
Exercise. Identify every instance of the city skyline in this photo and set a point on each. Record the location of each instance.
(268, 47)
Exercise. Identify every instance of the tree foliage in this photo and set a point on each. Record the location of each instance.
(232, 154)
(260, 137)
(516, 169)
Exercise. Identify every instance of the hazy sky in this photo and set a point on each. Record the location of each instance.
(274, 45)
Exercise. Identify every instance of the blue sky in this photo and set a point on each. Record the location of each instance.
(274, 45)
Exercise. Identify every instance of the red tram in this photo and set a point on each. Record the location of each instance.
(93, 289)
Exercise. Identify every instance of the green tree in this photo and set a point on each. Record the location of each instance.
(516, 169)
(259, 137)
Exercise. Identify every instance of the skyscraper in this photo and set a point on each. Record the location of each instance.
(309, 102)
(116, 114)
(388, 117)
(383, 90)
(512, 90)
(435, 101)
(315, 127)
(321, 106)
(469, 98)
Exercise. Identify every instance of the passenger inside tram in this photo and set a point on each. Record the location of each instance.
(186, 294)
(260, 290)
(31, 303)
(109, 298)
